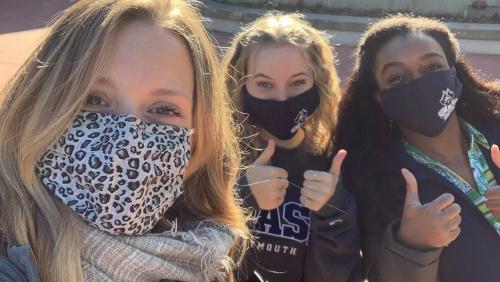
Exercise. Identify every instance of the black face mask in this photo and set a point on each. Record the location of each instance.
(425, 104)
(281, 118)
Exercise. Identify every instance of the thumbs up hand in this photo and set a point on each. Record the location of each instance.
(495, 155)
(267, 183)
(319, 186)
(430, 225)
(493, 193)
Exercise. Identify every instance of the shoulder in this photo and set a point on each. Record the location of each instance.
(16, 264)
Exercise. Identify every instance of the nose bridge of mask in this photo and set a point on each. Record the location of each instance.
(282, 95)
(416, 75)
(148, 126)
(137, 122)
(165, 129)
(416, 85)
(279, 95)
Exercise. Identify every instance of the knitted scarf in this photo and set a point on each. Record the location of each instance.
(197, 254)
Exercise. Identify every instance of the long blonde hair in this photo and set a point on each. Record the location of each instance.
(42, 99)
(276, 28)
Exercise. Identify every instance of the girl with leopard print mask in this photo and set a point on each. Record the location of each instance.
(118, 125)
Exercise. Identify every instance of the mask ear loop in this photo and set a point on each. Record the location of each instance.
(299, 188)
(268, 270)
(453, 67)
(191, 131)
(327, 204)
(294, 186)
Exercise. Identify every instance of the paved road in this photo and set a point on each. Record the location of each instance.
(22, 25)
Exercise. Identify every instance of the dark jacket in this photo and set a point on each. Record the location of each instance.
(473, 256)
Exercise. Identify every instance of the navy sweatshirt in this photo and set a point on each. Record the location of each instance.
(295, 244)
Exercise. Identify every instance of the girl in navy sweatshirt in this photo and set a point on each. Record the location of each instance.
(281, 77)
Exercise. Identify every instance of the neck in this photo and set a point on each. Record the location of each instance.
(292, 143)
(448, 146)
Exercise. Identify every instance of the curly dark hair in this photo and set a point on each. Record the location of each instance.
(363, 129)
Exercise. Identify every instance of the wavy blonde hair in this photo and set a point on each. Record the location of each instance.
(42, 99)
(276, 29)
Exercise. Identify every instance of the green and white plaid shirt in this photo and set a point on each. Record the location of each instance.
(483, 176)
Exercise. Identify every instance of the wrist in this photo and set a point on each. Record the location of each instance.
(409, 241)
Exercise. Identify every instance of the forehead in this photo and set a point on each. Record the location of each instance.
(408, 47)
(143, 53)
(278, 60)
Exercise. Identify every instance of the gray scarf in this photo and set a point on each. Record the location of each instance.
(197, 254)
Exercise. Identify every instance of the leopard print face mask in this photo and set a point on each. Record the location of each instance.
(117, 172)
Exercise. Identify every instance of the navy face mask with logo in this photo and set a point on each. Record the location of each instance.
(425, 104)
(281, 118)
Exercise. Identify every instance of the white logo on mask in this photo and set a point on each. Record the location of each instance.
(448, 101)
(299, 120)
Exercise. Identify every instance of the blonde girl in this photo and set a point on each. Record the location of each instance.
(281, 78)
(119, 116)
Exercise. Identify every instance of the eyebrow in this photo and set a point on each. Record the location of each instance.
(268, 77)
(388, 65)
(432, 54)
(106, 82)
(103, 81)
(426, 56)
(168, 92)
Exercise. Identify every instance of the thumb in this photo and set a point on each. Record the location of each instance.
(495, 155)
(266, 155)
(337, 162)
(411, 189)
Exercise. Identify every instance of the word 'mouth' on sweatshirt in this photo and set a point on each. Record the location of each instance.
(283, 236)
(287, 228)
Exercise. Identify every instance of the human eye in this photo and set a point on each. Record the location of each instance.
(163, 113)
(433, 67)
(96, 101)
(396, 79)
(264, 84)
(298, 83)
